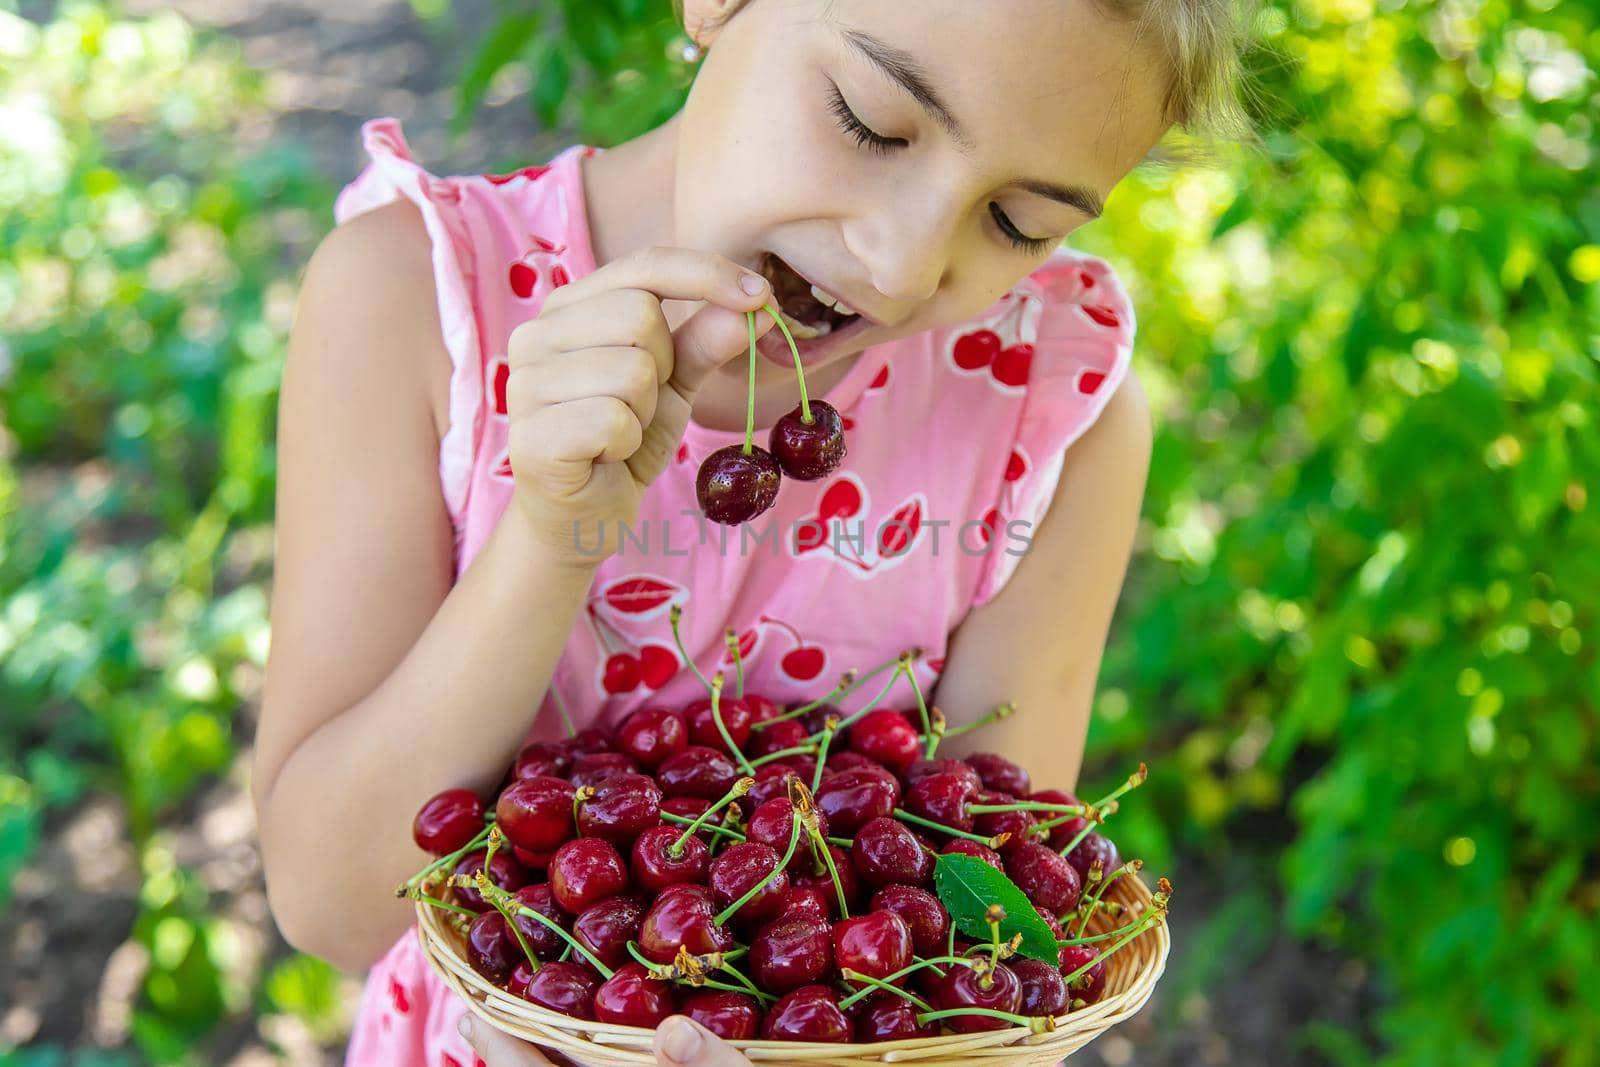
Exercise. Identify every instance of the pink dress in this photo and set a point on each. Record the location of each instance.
(956, 440)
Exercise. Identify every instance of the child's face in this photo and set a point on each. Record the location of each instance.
(1043, 91)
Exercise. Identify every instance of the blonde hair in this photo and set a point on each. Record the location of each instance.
(1201, 44)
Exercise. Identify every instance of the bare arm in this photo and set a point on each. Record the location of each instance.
(1039, 642)
(384, 684)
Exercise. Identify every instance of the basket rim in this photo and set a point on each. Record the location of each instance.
(439, 948)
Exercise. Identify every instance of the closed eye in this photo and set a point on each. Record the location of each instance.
(864, 135)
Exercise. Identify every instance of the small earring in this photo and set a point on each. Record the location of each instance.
(691, 53)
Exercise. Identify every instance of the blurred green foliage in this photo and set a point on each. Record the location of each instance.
(1366, 591)
(1358, 644)
(145, 294)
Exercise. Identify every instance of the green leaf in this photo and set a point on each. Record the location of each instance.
(967, 886)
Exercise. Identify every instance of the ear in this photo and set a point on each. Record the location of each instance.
(703, 19)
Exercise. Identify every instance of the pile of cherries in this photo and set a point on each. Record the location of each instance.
(769, 873)
(739, 482)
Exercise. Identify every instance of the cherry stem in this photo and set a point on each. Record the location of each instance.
(889, 979)
(987, 842)
(1094, 938)
(842, 842)
(1041, 828)
(740, 788)
(561, 709)
(435, 902)
(922, 705)
(1004, 711)
(854, 717)
(1139, 927)
(799, 372)
(503, 900)
(846, 680)
(732, 641)
(749, 987)
(993, 1013)
(443, 861)
(830, 728)
(731, 909)
(1135, 780)
(1131, 867)
(820, 847)
(1031, 805)
(711, 828)
(750, 403)
(673, 615)
(1077, 839)
(877, 983)
(722, 728)
(516, 931)
(773, 757)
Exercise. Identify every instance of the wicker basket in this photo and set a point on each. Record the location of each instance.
(1131, 975)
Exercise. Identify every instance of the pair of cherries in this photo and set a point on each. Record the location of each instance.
(739, 482)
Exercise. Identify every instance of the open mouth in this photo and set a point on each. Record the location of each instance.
(807, 311)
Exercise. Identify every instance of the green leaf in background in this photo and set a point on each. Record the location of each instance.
(967, 886)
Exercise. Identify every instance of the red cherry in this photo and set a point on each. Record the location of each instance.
(1061, 835)
(504, 872)
(621, 673)
(876, 944)
(1011, 366)
(655, 867)
(850, 798)
(807, 876)
(536, 813)
(885, 851)
(1045, 876)
(761, 708)
(790, 953)
(1043, 991)
(731, 1016)
(994, 823)
(962, 988)
(523, 278)
(589, 741)
(805, 902)
(606, 927)
(541, 759)
(1095, 846)
(447, 821)
(545, 942)
(734, 486)
(650, 735)
(703, 727)
(810, 1013)
(999, 773)
(682, 916)
(658, 665)
(886, 1017)
(697, 771)
(631, 997)
(964, 847)
(592, 768)
(924, 768)
(926, 918)
(561, 987)
(1090, 986)
(586, 870)
(623, 807)
(807, 451)
(740, 869)
(773, 822)
(776, 738)
(942, 798)
(885, 736)
(976, 349)
(491, 949)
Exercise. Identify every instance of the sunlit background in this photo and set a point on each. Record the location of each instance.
(1358, 645)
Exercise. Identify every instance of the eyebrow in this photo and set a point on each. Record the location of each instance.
(903, 69)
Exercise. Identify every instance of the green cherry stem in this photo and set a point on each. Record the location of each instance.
(922, 705)
(1138, 927)
(740, 788)
(717, 682)
(498, 897)
(1135, 780)
(1004, 711)
(1031, 805)
(994, 1013)
(889, 979)
(1077, 839)
(561, 709)
(877, 983)
(1131, 867)
(732, 909)
(846, 681)
(820, 847)
(750, 403)
(710, 828)
(731, 639)
(443, 861)
(435, 902)
(828, 730)
(782, 753)
(987, 842)
(799, 372)
(856, 716)
(673, 615)
(749, 986)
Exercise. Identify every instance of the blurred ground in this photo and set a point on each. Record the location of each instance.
(73, 974)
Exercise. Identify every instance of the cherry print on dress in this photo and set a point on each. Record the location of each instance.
(983, 351)
(747, 646)
(1102, 316)
(397, 994)
(803, 662)
(639, 596)
(501, 468)
(499, 376)
(1089, 382)
(1018, 464)
(524, 279)
(683, 453)
(529, 173)
(899, 533)
(843, 498)
(880, 381)
(626, 668)
(523, 274)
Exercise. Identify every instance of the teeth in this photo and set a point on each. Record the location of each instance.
(828, 301)
(803, 332)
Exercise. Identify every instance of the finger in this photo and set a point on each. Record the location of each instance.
(711, 337)
(680, 1041)
(497, 1049)
(672, 274)
(623, 317)
(559, 444)
(627, 373)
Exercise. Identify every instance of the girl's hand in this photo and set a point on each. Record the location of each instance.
(600, 389)
(678, 1042)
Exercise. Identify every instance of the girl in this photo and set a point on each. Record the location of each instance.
(499, 390)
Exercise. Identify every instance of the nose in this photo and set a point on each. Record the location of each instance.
(906, 254)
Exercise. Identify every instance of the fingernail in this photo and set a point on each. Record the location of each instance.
(464, 1027)
(753, 284)
(683, 1041)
